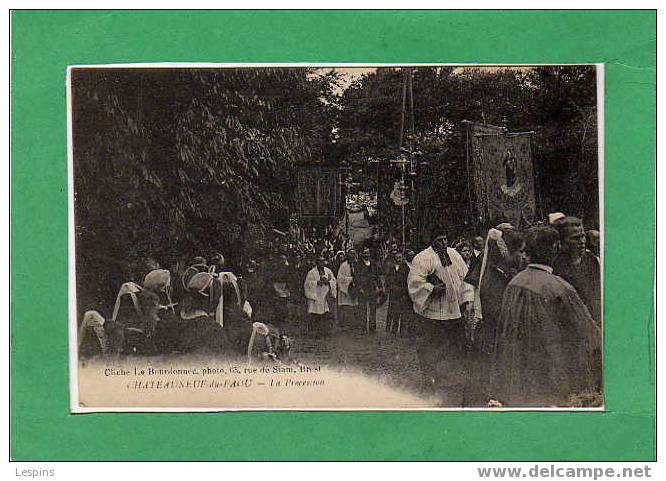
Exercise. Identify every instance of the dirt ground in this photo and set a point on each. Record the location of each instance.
(388, 357)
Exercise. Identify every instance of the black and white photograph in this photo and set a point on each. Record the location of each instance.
(335, 237)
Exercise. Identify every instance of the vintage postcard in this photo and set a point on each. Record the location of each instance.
(335, 237)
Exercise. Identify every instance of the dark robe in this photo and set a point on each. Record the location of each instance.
(138, 325)
(256, 290)
(237, 326)
(197, 332)
(196, 329)
(546, 344)
(585, 277)
(371, 291)
(493, 285)
(368, 280)
(475, 262)
(279, 292)
(400, 304)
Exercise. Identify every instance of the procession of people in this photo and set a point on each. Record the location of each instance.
(510, 318)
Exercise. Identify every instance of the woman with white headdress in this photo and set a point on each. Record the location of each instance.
(201, 320)
(503, 258)
(138, 310)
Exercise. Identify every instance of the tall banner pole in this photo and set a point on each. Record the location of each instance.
(402, 111)
(469, 190)
(402, 184)
(411, 158)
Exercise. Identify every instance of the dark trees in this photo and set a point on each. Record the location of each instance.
(558, 103)
(172, 163)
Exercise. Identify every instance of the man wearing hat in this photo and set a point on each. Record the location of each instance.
(400, 305)
(444, 305)
(577, 265)
(370, 288)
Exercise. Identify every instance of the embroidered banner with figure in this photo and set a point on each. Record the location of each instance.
(503, 174)
(319, 192)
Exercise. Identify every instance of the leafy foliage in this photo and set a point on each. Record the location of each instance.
(174, 163)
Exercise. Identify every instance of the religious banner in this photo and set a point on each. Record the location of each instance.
(357, 226)
(319, 192)
(503, 175)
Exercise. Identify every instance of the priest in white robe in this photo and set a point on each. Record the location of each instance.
(436, 284)
(319, 285)
(444, 303)
(349, 307)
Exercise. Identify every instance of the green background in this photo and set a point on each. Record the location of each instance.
(45, 42)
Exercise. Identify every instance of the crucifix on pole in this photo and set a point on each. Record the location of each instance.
(407, 90)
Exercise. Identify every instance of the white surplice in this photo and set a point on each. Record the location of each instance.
(447, 305)
(316, 293)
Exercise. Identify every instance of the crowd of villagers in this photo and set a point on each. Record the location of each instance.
(512, 318)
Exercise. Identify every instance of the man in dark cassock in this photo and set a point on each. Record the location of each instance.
(409, 256)
(255, 289)
(577, 265)
(400, 305)
(547, 341)
(478, 244)
(371, 288)
(279, 295)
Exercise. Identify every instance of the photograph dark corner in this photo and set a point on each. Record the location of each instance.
(381, 237)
